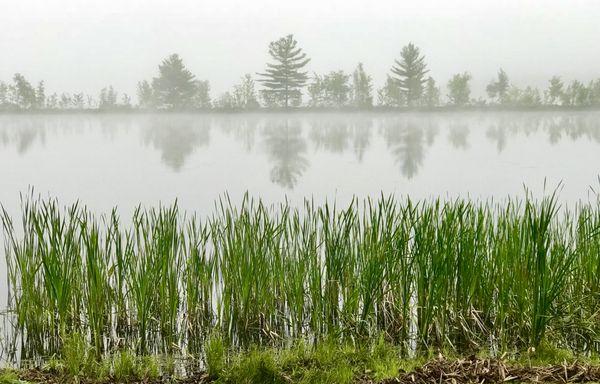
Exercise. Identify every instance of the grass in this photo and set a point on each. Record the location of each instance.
(303, 362)
(461, 275)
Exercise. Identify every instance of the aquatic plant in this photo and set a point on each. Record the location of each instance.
(460, 274)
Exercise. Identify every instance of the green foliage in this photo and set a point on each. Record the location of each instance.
(555, 92)
(362, 88)
(331, 90)
(409, 73)
(431, 96)
(459, 90)
(108, 98)
(458, 275)
(244, 94)
(390, 95)
(75, 355)
(215, 355)
(284, 79)
(145, 95)
(175, 88)
(499, 89)
(8, 377)
(25, 96)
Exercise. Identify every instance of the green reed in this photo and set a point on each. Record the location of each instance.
(459, 274)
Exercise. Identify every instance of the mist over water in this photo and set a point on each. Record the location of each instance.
(126, 160)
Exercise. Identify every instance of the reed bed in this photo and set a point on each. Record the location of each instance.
(461, 274)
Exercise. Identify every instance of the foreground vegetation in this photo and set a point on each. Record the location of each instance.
(327, 362)
(460, 276)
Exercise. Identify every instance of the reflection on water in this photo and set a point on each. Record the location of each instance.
(176, 139)
(286, 149)
(295, 144)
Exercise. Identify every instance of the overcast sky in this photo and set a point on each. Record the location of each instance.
(83, 45)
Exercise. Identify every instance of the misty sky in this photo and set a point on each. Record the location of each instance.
(77, 45)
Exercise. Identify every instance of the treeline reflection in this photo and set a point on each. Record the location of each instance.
(291, 143)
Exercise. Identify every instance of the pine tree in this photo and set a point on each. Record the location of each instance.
(175, 86)
(284, 80)
(410, 74)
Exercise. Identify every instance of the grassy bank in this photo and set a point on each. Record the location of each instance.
(462, 276)
(328, 362)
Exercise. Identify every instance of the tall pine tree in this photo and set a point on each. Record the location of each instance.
(284, 79)
(409, 72)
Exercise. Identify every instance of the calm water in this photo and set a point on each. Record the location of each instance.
(125, 160)
(121, 160)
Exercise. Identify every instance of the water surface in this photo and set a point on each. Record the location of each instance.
(108, 160)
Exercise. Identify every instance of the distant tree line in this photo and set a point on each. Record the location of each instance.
(285, 81)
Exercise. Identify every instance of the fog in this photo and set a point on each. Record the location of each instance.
(83, 46)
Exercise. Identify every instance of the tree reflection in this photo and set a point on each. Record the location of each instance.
(337, 133)
(407, 139)
(459, 135)
(22, 133)
(286, 149)
(176, 137)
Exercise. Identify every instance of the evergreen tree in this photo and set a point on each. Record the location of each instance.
(284, 80)
(362, 88)
(459, 91)
(175, 87)
(499, 89)
(410, 73)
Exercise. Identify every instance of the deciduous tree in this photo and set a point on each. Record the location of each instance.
(459, 91)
